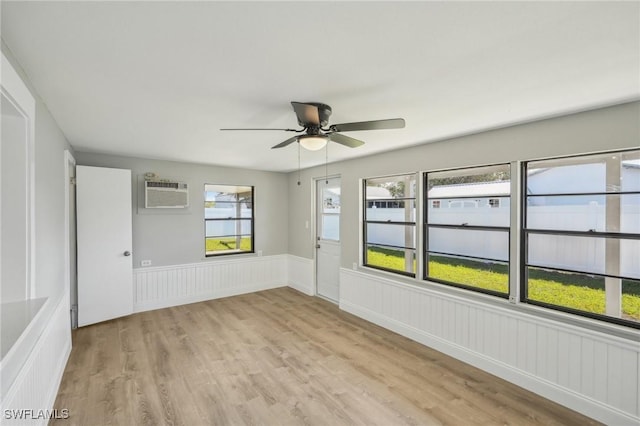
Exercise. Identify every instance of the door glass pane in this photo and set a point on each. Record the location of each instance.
(329, 209)
(331, 199)
(330, 227)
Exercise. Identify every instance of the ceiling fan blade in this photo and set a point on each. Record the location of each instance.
(392, 123)
(306, 113)
(283, 130)
(345, 140)
(285, 143)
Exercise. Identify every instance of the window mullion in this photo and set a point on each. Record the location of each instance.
(420, 227)
(515, 237)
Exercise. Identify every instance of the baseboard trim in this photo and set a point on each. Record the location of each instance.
(300, 274)
(564, 396)
(167, 286)
(171, 302)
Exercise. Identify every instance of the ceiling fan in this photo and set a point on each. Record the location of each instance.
(313, 117)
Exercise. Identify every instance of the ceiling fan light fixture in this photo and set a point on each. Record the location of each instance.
(313, 142)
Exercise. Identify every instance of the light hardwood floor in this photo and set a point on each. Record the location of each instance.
(279, 357)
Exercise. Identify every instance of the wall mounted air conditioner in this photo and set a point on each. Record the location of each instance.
(165, 195)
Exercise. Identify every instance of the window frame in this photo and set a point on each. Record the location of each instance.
(365, 222)
(517, 263)
(251, 220)
(426, 232)
(525, 232)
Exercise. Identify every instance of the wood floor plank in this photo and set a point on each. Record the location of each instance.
(279, 357)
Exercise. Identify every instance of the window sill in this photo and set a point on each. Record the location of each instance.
(228, 253)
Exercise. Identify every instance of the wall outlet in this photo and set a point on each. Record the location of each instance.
(355, 266)
(145, 263)
(306, 224)
(259, 252)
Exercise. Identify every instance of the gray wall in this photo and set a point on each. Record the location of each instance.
(609, 128)
(50, 144)
(50, 185)
(176, 236)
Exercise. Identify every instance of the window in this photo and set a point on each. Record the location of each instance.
(390, 224)
(466, 245)
(435, 204)
(228, 219)
(582, 235)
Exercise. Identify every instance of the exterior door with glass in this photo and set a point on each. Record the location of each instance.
(328, 238)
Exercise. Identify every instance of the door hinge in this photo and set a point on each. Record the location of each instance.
(72, 181)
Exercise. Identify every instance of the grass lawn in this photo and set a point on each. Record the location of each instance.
(582, 292)
(225, 244)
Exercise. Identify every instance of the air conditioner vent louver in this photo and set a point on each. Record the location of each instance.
(166, 195)
(174, 185)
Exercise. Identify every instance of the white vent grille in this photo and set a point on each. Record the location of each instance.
(166, 195)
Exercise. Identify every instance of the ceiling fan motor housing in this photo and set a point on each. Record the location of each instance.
(324, 112)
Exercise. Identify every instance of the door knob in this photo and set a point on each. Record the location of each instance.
(317, 245)
(127, 253)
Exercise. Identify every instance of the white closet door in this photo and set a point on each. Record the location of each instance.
(105, 268)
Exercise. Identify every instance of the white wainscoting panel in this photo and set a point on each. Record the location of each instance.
(300, 274)
(36, 386)
(590, 372)
(162, 287)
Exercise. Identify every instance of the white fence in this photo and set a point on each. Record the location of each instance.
(566, 252)
(231, 226)
(582, 253)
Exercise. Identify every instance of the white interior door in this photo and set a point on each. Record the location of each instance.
(105, 269)
(328, 238)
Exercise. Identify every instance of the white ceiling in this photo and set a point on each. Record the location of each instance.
(159, 80)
